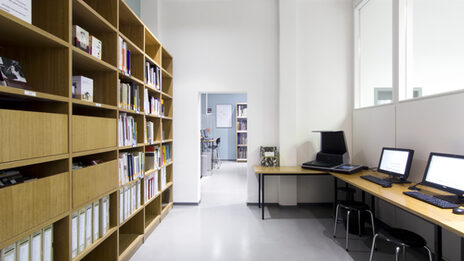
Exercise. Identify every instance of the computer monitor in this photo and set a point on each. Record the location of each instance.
(446, 172)
(396, 163)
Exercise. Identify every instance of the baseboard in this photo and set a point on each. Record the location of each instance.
(298, 204)
(186, 203)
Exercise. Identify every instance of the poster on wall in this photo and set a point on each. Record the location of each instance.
(223, 115)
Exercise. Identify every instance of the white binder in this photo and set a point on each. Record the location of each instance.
(74, 234)
(47, 243)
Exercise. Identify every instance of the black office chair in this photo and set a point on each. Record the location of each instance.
(215, 148)
(402, 239)
(351, 206)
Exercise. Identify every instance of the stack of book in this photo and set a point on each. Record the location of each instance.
(242, 138)
(12, 177)
(127, 128)
(129, 200)
(129, 96)
(152, 105)
(87, 42)
(89, 224)
(150, 133)
(37, 246)
(153, 76)
(151, 185)
(124, 57)
(153, 157)
(131, 166)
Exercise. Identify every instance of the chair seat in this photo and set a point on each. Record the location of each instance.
(353, 205)
(402, 237)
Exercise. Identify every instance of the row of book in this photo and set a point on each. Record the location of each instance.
(12, 177)
(124, 57)
(37, 246)
(153, 76)
(150, 186)
(242, 110)
(129, 200)
(242, 124)
(131, 166)
(242, 152)
(241, 138)
(157, 156)
(87, 42)
(152, 105)
(89, 224)
(129, 96)
(127, 129)
(150, 133)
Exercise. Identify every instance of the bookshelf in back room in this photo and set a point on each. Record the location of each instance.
(62, 153)
(241, 130)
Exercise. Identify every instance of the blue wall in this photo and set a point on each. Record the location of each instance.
(227, 147)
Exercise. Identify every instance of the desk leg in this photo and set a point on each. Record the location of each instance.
(462, 248)
(373, 204)
(437, 242)
(262, 196)
(259, 190)
(335, 196)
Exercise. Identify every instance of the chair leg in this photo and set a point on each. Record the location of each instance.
(372, 221)
(397, 254)
(347, 228)
(359, 223)
(336, 220)
(404, 253)
(373, 247)
(429, 251)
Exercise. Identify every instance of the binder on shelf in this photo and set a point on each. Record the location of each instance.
(121, 205)
(36, 246)
(9, 253)
(81, 232)
(163, 178)
(47, 243)
(96, 220)
(74, 234)
(131, 166)
(23, 248)
(104, 215)
(126, 203)
(133, 199)
(88, 226)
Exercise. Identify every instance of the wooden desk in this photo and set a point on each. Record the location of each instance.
(279, 171)
(440, 218)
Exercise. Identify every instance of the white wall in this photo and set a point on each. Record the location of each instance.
(324, 76)
(425, 125)
(150, 15)
(221, 47)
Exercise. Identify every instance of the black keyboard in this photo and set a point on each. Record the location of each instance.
(430, 199)
(379, 181)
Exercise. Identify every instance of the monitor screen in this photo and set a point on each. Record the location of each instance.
(395, 162)
(445, 171)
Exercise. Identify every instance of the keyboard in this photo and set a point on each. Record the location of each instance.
(379, 181)
(430, 199)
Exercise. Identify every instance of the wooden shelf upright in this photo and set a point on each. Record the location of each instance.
(241, 131)
(44, 131)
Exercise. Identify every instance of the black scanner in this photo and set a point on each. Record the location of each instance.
(333, 151)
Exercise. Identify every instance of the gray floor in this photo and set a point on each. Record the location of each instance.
(223, 227)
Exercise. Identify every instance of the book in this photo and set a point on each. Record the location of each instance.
(47, 253)
(9, 253)
(81, 38)
(23, 249)
(74, 234)
(88, 225)
(12, 74)
(96, 47)
(121, 205)
(22, 9)
(104, 219)
(82, 88)
(36, 246)
(81, 233)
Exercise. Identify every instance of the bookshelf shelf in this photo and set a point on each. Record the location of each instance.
(46, 131)
(241, 131)
(25, 34)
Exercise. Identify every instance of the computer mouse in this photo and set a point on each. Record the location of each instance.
(459, 211)
(413, 188)
(387, 185)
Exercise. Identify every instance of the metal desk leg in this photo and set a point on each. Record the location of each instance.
(363, 195)
(259, 190)
(262, 196)
(437, 242)
(462, 248)
(373, 204)
(335, 196)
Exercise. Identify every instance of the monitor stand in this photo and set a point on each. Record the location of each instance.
(452, 198)
(397, 180)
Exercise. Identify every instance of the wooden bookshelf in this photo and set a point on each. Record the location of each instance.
(44, 129)
(241, 131)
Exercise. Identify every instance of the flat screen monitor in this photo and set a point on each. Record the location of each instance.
(445, 172)
(396, 162)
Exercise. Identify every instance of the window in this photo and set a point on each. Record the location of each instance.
(374, 53)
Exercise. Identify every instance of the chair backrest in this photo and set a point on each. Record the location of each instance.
(218, 140)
